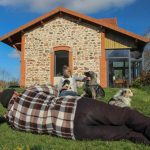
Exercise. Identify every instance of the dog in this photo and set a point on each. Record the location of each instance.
(122, 98)
(66, 84)
(91, 88)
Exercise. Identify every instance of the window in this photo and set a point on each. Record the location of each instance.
(136, 69)
(118, 64)
(124, 64)
(117, 53)
(61, 59)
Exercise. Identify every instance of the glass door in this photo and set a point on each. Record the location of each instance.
(136, 68)
(123, 66)
(118, 71)
(118, 67)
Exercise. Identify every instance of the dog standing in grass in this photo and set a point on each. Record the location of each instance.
(122, 98)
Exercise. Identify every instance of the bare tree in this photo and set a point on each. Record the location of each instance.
(4, 75)
(7, 79)
(146, 53)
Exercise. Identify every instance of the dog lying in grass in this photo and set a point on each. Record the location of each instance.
(91, 88)
(122, 98)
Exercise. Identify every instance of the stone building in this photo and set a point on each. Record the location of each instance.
(64, 37)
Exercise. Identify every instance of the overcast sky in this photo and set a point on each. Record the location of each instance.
(132, 15)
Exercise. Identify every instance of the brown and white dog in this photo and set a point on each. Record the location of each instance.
(122, 98)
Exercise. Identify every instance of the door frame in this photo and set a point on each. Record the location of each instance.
(52, 60)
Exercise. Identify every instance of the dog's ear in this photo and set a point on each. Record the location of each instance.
(87, 73)
(66, 82)
(130, 93)
(123, 92)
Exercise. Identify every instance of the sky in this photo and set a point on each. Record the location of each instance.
(132, 15)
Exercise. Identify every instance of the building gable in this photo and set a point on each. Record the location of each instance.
(14, 38)
(83, 39)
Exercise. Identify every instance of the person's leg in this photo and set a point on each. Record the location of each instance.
(68, 93)
(94, 112)
(137, 137)
(102, 132)
(147, 132)
(108, 133)
(5, 97)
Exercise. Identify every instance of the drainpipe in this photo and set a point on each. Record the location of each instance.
(129, 67)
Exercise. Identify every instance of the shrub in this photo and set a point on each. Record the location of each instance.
(80, 90)
(143, 80)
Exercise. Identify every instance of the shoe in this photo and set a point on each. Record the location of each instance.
(147, 132)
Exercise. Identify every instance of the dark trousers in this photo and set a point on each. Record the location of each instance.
(68, 93)
(98, 120)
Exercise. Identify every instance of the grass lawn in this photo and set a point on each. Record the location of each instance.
(11, 139)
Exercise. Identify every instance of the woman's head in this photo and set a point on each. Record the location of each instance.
(66, 72)
(5, 97)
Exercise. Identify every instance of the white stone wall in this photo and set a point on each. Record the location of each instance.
(84, 40)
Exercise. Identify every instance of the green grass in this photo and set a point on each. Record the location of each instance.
(11, 139)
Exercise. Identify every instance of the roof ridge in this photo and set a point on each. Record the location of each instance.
(76, 14)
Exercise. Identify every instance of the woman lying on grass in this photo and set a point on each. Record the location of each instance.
(38, 110)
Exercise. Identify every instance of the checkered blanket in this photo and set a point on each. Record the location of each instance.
(37, 110)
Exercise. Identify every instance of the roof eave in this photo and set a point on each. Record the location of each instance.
(36, 21)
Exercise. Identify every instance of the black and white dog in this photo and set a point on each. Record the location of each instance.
(91, 88)
(122, 98)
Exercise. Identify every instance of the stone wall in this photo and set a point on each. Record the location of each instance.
(84, 40)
